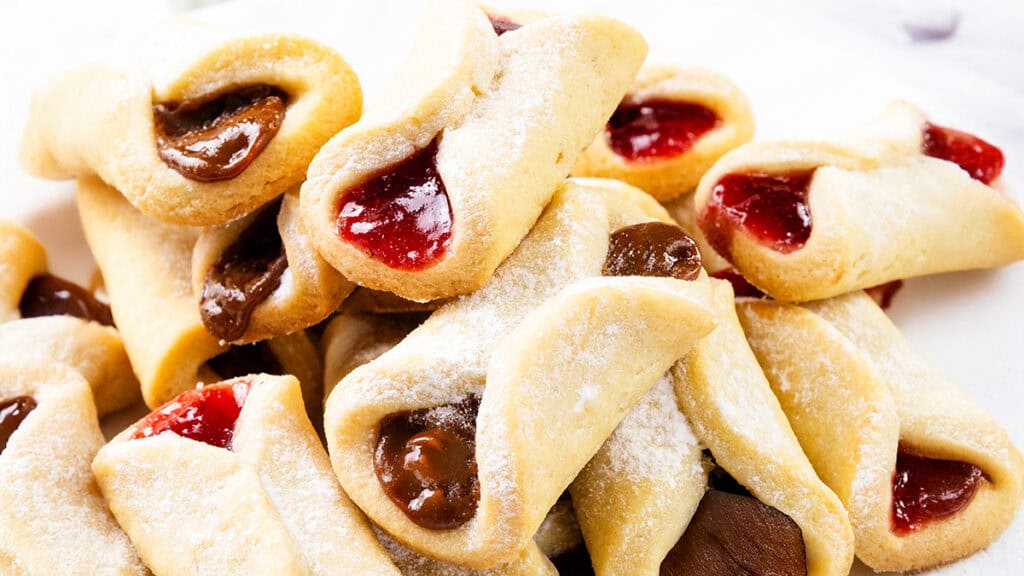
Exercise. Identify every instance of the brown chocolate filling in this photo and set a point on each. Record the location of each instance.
(12, 413)
(49, 295)
(243, 360)
(243, 277)
(426, 463)
(652, 249)
(216, 138)
(734, 533)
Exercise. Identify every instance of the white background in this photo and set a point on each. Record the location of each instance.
(810, 68)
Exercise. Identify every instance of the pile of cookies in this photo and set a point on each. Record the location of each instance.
(541, 310)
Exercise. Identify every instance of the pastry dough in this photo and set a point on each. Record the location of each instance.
(506, 117)
(879, 210)
(268, 505)
(668, 177)
(636, 497)
(101, 120)
(855, 393)
(554, 345)
(309, 289)
(22, 258)
(52, 517)
(91, 348)
(146, 269)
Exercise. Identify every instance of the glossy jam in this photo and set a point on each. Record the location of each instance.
(740, 287)
(12, 413)
(926, 490)
(401, 217)
(502, 25)
(205, 415)
(657, 129)
(243, 277)
(652, 249)
(244, 360)
(49, 295)
(217, 138)
(884, 293)
(981, 160)
(732, 534)
(426, 462)
(773, 208)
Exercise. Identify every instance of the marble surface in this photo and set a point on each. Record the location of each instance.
(810, 68)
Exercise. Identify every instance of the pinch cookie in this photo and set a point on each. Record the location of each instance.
(54, 320)
(478, 134)
(259, 276)
(147, 273)
(877, 421)
(672, 125)
(543, 305)
(230, 128)
(52, 517)
(641, 501)
(219, 481)
(810, 220)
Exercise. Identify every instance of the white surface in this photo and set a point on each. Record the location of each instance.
(810, 68)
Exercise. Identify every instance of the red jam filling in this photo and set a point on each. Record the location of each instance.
(884, 293)
(205, 415)
(980, 159)
(657, 129)
(925, 489)
(740, 287)
(401, 217)
(771, 207)
(502, 25)
(12, 413)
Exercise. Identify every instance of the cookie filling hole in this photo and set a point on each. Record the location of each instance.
(773, 208)
(657, 129)
(12, 413)
(402, 216)
(217, 137)
(426, 462)
(243, 277)
(502, 24)
(983, 161)
(205, 415)
(927, 490)
(733, 532)
(49, 295)
(652, 249)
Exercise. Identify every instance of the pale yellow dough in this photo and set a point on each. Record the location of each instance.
(667, 178)
(511, 115)
(310, 288)
(854, 391)
(556, 345)
(880, 209)
(270, 505)
(53, 519)
(99, 120)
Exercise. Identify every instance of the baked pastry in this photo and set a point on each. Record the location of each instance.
(429, 194)
(53, 519)
(147, 273)
(54, 320)
(668, 131)
(231, 124)
(259, 277)
(641, 501)
(556, 345)
(232, 479)
(811, 220)
(926, 475)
